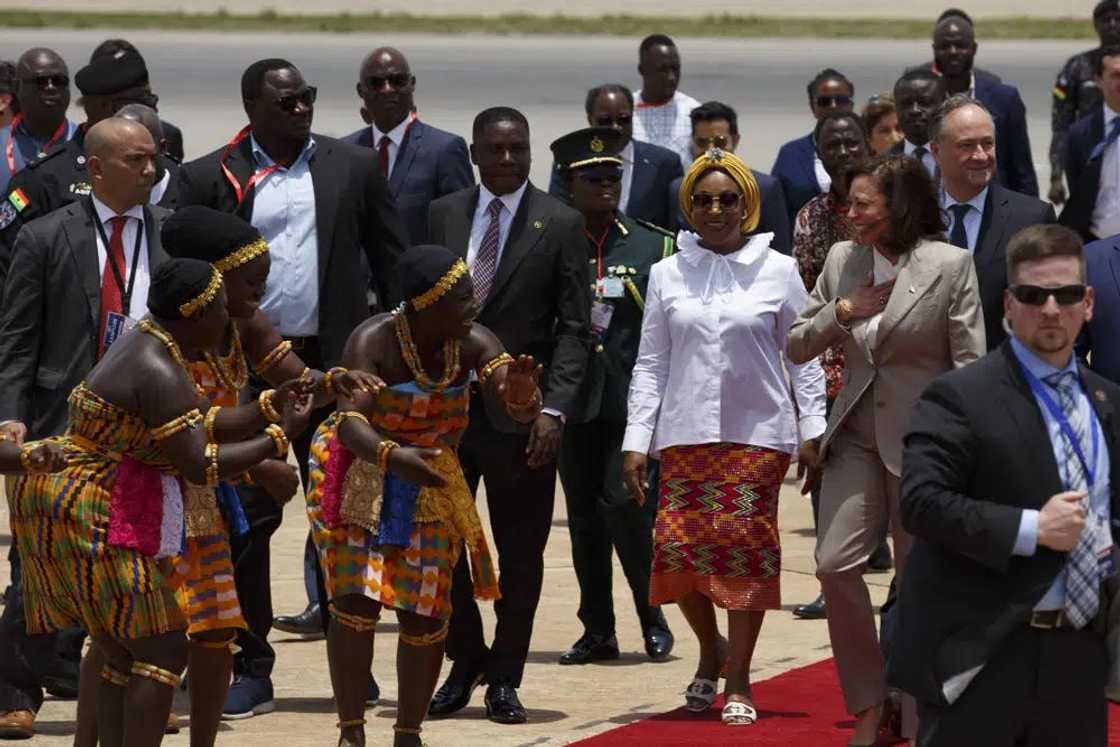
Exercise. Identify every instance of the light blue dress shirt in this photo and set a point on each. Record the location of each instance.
(284, 213)
(972, 218)
(1027, 541)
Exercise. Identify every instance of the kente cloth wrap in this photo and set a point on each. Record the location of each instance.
(74, 577)
(717, 526)
(416, 578)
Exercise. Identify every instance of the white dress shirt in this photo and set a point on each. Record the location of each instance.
(927, 158)
(1106, 213)
(710, 365)
(159, 188)
(667, 125)
(481, 221)
(627, 156)
(971, 219)
(396, 137)
(138, 303)
(824, 179)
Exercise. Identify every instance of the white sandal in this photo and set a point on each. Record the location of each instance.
(700, 694)
(736, 713)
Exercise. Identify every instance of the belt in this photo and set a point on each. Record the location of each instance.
(1049, 620)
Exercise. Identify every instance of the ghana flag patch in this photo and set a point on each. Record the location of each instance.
(19, 200)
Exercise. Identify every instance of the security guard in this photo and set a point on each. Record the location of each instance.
(1075, 92)
(601, 515)
(60, 177)
(42, 90)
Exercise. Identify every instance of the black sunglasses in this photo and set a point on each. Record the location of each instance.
(621, 120)
(306, 97)
(827, 101)
(58, 80)
(726, 200)
(601, 177)
(397, 80)
(1036, 295)
(706, 143)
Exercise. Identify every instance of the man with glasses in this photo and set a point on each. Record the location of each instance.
(324, 208)
(798, 167)
(647, 169)
(660, 110)
(42, 92)
(716, 125)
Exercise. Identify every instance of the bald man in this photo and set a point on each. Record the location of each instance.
(42, 88)
(166, 186)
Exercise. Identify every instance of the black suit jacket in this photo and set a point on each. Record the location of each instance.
(52, 307)
(354, 216)
(773, 213)
(651, 199)
(539, 302)
(1083, 174)
(977, 454)
(1005, 214)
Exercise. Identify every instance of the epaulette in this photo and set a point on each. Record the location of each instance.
(653, 227)
(38, 161)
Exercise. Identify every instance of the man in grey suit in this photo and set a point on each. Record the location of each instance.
(79, 278)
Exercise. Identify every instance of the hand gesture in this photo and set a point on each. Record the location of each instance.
(1061, 520)
(809, 465)
(868, 300)
(47, 456)
(296, 413)
(303, 386)
(349, 383)
(520, 382)
(14, 431)
(279, 479)
(1057, 192)
(635, 474)
(544, 440)
(411, 464)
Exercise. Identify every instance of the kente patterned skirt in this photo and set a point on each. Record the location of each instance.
(717, 526)
(205, 588)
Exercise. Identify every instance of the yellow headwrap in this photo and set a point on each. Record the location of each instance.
(721, 160)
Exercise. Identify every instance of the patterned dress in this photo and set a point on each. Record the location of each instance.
(61, 522)
(416, 578)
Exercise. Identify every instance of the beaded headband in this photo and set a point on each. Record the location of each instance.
(209, 294)
(444, 284)
(242, 256)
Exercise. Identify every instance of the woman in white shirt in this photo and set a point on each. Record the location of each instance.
(709, 397)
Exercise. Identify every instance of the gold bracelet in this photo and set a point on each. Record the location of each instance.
(383, 450)
(211, 416)
(495, 363)
(280, 438)
(211, 453)
(336, 371)
(25, 456)
(274, 357)
(267, 409)
(190, 419)
(343, 414)
(534, 401)
(305, 374)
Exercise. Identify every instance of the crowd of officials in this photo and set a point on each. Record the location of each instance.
(666, 330)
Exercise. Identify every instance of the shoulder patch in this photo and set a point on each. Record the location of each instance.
(7, 214)
(18, 199)
(654, 227)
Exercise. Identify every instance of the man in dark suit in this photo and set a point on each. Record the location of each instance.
(1006, 488)
(983, 215)
(917, 96)
(1098, 341)
(528, 258)
(647, 170)
(420, 162)
(98, 254)
(1092, 158)
(322, 206)
(716, 125)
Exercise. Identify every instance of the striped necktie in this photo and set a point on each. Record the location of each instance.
(486, 261)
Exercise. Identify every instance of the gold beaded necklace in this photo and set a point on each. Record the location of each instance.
(412, 356)
(158, 332)
(235, 377)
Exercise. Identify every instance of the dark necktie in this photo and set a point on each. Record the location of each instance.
(1110, 138)
(920, 154)
(486, 261)
(958, 236)
(383, 155)
(111, 298)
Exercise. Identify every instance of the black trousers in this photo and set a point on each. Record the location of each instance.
(602, 516)
(1041, 688)
(520, 500)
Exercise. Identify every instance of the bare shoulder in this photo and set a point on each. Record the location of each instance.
(369, 341)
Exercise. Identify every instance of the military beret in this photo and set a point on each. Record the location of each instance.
(222, 239)
(108, 75)
(591, 146)
(1105, 6)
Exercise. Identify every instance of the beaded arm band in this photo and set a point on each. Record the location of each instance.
(427, 639)
(275, 356)
(189, 419)
(343, 414)
(267, 408)
(328, 380)
(493, 365)
(211, 454)
(359, 623)
(280, 439)
(152, 672)
(383, 450)
(211, 416)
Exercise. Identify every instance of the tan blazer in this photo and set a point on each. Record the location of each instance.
(932, 323)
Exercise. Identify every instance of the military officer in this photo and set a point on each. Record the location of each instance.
(60, 177)
(601, 515)
(1075, 92)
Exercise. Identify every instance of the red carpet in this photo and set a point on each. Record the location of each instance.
(801, 707)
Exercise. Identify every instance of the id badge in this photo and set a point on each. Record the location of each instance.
(1102, 544)
(601, 314)
(609, 287)
(115, 326)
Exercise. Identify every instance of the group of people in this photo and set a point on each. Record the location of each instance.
(666, 330)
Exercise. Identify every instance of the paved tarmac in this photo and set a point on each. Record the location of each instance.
(197, 78)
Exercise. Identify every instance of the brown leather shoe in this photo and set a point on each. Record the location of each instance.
(172, 724)
(17, 725)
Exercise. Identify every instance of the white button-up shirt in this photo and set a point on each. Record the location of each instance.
(667, 125)
(627, 156)
(481, 221)
(710, 365)
(138, 303)
(1106, 213)
(927, 158)
(396, 137)
(971, 219)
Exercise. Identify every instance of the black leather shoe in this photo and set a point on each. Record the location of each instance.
(880, 560)
(373, 692)
(454, 694)
(812, 611)
(502, 705)
(591, 647)
(308, 623)
(659, 641)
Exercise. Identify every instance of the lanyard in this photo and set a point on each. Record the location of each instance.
(118, 276)
(1067, 430)
(598, 250)
(258, 176)
(9, 149)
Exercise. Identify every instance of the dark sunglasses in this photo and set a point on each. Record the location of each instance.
(306, 97)
(1036, 295)
(726, 200)
(42, 81)
(601, 177)
(621, 120)
(398, 81)
(828, 101)
(705, 143)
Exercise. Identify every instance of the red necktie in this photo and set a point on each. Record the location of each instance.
(383, 155)
(111, 298)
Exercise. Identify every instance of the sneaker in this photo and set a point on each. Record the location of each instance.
(373, 692)
(248, 697)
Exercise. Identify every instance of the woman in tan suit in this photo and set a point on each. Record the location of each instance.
(904, 304)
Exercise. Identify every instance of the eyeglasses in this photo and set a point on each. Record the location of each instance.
(825, 102)
(622, 120)
(601, 177)
(706, 143)
(398, 81)
(1036, 295)
(705, 200)
(58, 80)
(306, 97)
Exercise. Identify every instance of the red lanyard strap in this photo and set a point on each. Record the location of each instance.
(258, 176)
(9, 149)
(598, 242)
